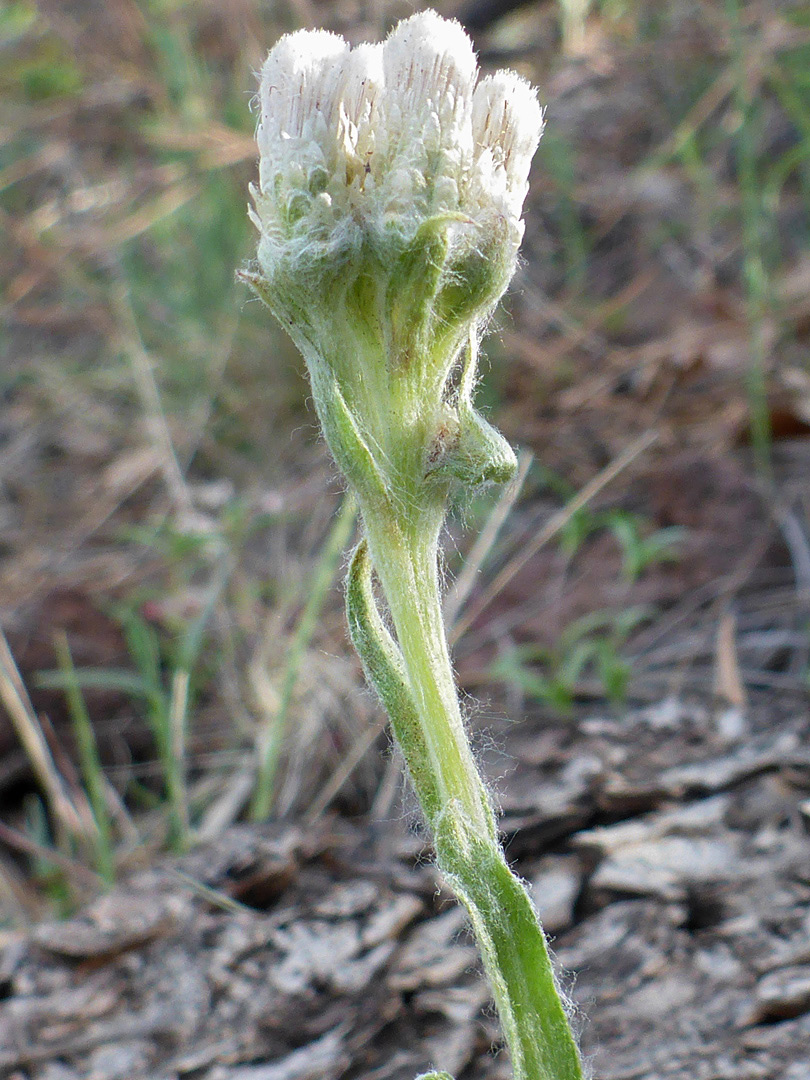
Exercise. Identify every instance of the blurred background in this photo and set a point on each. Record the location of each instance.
(171, 540)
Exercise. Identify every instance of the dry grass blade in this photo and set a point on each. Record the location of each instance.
(178, 721)
(17, 841)
(162, 206)
(552, 528)
(218, 146)
(546, 355)
(21, 712)
(154, 416)
(16, 900)
(228, 805)
(728, 680)
(273, 734)
(351, 760)
(215, 897)
(465, 582)
(698, 115)
(798, 545)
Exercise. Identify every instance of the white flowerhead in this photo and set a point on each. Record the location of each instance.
(357, 144)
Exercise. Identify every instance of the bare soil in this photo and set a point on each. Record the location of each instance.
(668, 855)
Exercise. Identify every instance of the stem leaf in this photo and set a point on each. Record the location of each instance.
(385, 670)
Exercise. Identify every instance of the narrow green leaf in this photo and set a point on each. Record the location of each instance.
(385, 670)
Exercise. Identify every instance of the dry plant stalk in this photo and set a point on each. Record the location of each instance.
(392, 182)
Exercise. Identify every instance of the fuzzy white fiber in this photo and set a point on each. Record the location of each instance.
(390, 134)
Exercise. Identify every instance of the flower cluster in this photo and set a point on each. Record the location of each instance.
(360, 144)
(391, 187)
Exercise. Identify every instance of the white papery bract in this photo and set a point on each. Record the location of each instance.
(379, 138)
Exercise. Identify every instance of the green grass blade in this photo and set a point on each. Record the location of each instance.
(89, 761)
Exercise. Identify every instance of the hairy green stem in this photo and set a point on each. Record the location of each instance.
(415, 681)
(406, 564)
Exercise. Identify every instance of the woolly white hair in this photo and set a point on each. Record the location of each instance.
(389, 134)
